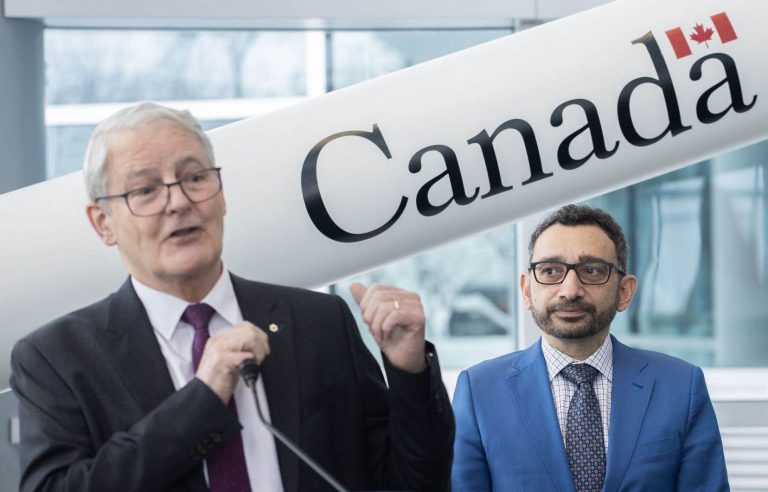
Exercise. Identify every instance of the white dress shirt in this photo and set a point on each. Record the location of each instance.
(563, 390)
(175, 339)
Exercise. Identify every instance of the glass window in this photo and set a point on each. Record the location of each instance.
(469, 292)
(91, 73)
(697, 241)
(361, 55)
(98, 66)
(65, 148)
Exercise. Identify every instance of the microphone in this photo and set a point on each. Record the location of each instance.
(249, 371)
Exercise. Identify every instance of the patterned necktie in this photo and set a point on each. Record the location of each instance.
(584, 431)
(227, 471)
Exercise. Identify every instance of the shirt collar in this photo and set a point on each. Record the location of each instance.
(164, 310)
(602, 359)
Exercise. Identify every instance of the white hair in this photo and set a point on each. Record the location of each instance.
(131, 118)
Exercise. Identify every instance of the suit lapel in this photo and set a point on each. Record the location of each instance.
(130, 343)
(632, 388)
(271, 313)
(529, 386)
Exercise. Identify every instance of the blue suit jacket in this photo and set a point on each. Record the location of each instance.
(663, 434)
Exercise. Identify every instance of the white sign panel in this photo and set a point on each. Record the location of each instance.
(381, 170)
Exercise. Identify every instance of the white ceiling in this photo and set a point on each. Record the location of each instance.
(293, 13)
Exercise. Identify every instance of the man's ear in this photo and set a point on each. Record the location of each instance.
(525, 289)
(627, 289)
(101, 222)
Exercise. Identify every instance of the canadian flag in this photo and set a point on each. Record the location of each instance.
(700, 34)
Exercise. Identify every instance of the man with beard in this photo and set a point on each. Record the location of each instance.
(578, 410)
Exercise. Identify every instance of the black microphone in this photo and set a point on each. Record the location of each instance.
(249, 371)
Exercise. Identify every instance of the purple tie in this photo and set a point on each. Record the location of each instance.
(227, 471)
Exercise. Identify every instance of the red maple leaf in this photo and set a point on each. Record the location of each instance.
(702, 35)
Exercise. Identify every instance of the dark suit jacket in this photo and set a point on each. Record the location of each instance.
(99, 412)
(663, 434)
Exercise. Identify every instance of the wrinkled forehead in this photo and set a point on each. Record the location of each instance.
(573, 244)
(152, 149)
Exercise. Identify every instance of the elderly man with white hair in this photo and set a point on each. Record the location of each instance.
(140, 391)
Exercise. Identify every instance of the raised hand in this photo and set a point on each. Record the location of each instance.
(395, 318)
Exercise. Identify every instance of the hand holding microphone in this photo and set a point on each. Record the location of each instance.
(223, 354)
(240, 351)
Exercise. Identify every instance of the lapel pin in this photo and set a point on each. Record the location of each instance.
(273, 328)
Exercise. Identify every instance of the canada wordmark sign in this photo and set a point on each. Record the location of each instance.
(381, 170)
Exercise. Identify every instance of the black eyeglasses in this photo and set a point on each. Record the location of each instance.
(150, 200)
(592, 272)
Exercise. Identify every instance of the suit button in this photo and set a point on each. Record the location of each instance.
(216, 437)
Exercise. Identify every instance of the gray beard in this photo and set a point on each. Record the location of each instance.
(591, 324)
